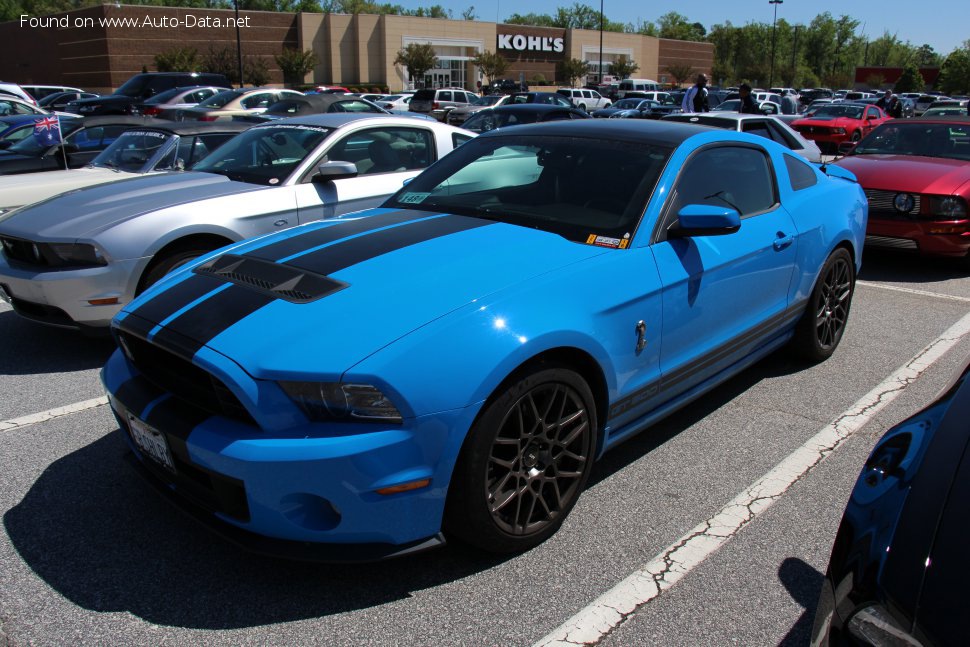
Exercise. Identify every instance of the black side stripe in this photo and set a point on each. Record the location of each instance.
(671, 381)
(333, 233)
(193, 329)
(357, 250)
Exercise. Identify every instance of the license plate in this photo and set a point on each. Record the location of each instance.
(152, 442)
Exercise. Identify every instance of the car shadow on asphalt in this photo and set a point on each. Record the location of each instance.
(104, 540)
(31, 348)
(900, 267)
(803, 583)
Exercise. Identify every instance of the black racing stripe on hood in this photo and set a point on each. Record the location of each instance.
(324, 235)
(137, 326)
(167, 303)
(193, 329)
(343, 255)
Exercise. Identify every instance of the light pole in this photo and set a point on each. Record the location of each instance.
(601, 43)
(238, 44)
(771, 74)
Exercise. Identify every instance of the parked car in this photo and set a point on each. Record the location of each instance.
(74, 260)
(924, 101)
(899, 560)
(541, 98)
(636, 85)
(585, 99)
(151, 147)
(765, 126)
(140, 87)
(41, 92)
(631, 109)
(519, 114)
(396, 101)
(83, 140)
(14, 90)
(235, 103)
(458, 116)
(330, 432)
(508, 86)
(837, 123)
(951, 111)
(314, 104)
(734, 105)
(436, 102)
(11, 106)
(916, 174)
(165, 105)
(60, 100)
(13, 128)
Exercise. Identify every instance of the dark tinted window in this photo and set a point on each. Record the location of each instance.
(423, 95)
(730, 176)
(801, 174)
(759, 128)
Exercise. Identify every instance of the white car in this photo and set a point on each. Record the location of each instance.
(154, 148)
(396, 101)
(766, 126)
(585, 99)
(74, 260)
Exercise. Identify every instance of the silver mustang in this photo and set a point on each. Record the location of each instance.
(75, 259)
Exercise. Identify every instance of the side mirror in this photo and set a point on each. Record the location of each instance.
(329, 171)
(846, 147)
(705, 220)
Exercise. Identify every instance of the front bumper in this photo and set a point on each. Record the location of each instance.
(310, 491)
(61, 298)
(916, 235)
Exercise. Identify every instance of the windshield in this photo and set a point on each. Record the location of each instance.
(627, 104)
(264, 155)
(731, 105)
(948, 141)
(221, 99)
(490, 120)
(852, 112)
(163, 97)
(489, 100)
(571, 186)
(134, 87)
(132, 150)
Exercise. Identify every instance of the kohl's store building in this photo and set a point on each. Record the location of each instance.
(104, 45)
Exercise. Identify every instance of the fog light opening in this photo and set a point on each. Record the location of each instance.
(405, 487)
(103, 302)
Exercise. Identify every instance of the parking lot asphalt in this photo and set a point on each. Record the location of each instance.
(91, 556)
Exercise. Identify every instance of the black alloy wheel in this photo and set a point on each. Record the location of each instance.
(821, 328)
(525, 463)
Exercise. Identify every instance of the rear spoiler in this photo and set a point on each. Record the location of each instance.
(837, 171)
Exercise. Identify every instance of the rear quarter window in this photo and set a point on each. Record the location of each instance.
(800, 174)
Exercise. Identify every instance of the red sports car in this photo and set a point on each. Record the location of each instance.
(916, 174)
(836, 123)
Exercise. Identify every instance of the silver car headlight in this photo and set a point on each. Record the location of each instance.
(334, 401)
(76, 255)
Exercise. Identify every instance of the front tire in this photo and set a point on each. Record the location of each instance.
(159, 267)
(822, 325)
(524, 463)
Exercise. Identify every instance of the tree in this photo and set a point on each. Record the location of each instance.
(492, 65)
(675, 26)
(295, 64)
(571, 69)
(955, 71)
(622, 68)
(469, 13)
(681, 72)
(256, 70)
(418, 58)
(222, 60)
(179, 59)
(910, 80)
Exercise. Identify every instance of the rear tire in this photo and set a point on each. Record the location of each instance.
(821, 327)
(524, 463)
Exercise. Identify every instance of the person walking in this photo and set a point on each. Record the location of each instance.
(748, 105)
(695, 99)
(885, 100)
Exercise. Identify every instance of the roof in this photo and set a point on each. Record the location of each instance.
(665, 133)
(338, 119)
(314, 103)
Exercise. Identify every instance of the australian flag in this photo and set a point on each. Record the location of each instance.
(47, 131)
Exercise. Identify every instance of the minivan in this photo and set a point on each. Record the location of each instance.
(636, 85)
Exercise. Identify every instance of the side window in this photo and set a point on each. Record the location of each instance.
(457, 139)
(800, 173)
(558, 116)
(260, 100)
(86, 139)
(444, 95)
(385, 150)
(587, 94)
(725, 176)
(783, 137)
(756, 127)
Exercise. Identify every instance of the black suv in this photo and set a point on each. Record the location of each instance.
(140, 87)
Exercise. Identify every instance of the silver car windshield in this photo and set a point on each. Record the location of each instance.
(572, 186)
(264, 155)
(132, 151)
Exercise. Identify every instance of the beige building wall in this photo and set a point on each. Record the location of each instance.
(583, 44)
(473, 37)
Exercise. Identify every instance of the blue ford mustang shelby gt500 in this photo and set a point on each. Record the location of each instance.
(454, 362)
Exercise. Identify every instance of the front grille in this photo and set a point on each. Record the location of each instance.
(882, 202)
(22, 251)
(892, 243)
(184, 380)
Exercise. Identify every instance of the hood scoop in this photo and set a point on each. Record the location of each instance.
(273, 279)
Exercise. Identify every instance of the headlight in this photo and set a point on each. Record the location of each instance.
(951, 207)
(838, 131)
(76, 254)
(324, 401)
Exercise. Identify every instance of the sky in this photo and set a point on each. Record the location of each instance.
(943, 24)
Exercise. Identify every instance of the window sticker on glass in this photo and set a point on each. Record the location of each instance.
(414, 198)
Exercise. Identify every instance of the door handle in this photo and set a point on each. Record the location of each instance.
(782, 241)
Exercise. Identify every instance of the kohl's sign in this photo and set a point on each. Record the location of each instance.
(521, 43)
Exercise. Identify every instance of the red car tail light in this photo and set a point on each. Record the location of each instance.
(151, 111)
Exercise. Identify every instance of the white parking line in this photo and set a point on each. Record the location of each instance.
(50, 414)
(610, 610)
(923, 293)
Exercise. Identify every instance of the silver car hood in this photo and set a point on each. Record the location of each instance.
(26, 188)
(81, 213)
